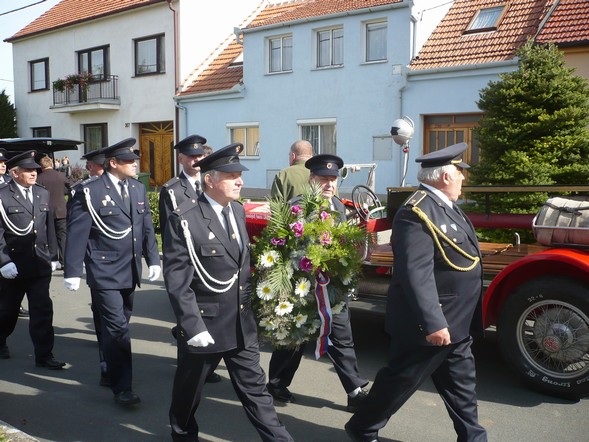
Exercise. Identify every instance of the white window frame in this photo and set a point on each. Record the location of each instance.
(284, 57)
(368, 41)
(333, 51)
(318, 142)
(251, 149)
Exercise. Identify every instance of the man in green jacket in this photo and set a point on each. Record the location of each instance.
(291, 181)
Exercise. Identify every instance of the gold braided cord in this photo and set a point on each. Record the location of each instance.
(437, 232)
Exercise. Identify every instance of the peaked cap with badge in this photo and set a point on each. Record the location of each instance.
(3, 155)
(443, 157)
(96, 156)
(25, 160)
(191, 145)
(225, 159)
(325, 164)
(123, 150)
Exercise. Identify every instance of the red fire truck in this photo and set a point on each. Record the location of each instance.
(536, 296)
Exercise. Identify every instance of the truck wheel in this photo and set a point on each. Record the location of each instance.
(543, 333)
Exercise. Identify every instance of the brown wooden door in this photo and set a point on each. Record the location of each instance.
(156, 151)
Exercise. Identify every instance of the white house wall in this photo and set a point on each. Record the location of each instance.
(143, 99)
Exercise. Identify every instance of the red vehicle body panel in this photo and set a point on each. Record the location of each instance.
(558, 262)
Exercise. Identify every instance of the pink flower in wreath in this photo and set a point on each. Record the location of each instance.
(297, 228)
(278, 241)
(305, 264)
(325, 239)
(295, 210)
(324, 215)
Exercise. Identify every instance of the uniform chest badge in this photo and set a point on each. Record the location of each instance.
(108, 200)
(211, 235)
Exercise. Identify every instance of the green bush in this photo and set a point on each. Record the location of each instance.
(154, 197)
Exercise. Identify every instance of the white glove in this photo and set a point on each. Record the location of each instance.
(9, 271)
(201, 340)
(71, 283)
(154, 273)
(54, 265)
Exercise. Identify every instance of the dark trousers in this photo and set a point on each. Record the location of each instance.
(60, 230)
(284, 363)
(452, 370)
(12, 292)
(248, 379)
(97, 328)
(116, 307)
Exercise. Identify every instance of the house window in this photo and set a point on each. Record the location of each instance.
(280, 54)
(330, 47)
(95, 136)
(95, 62)
(376, 41)
(444, 130)
(150, 55)
(321, 134)
(39, 74)
(487, 19)
(249, 136)
(41, 132)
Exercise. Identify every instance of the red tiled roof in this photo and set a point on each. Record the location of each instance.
(222, 75)
(299, 9)
(69, 12)
(568, 24)
(449, 46)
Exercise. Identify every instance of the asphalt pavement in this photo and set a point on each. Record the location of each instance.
(69, 405)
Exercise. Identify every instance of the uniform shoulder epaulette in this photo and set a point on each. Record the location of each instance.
(171, 182)
(415, 198)
(40, 185)
(89, 180)
(185, 206)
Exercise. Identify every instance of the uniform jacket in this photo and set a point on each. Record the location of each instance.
(56, 183)
(426, 294)
(6, 178)
(291, 181)
(228, 316)
(32, 254)
(110, 263)
(183, 190)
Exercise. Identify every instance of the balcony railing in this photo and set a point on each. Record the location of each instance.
(103, 88)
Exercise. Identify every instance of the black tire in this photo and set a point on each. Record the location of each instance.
(543, 333)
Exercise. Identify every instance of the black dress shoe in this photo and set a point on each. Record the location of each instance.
(126, 398)
(281, 394)
(213, 378)
(51, 364)
(356, 437)
(4, 353)
(354, 402)
(23, 312)
(173, 330)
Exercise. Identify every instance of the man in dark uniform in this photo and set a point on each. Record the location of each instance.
(186, 186)
(324, 170)
(112, 226)
(207, 277)
(28, 255)
(433, 306)
(56, 183)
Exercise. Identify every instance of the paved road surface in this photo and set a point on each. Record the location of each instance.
(70, 406)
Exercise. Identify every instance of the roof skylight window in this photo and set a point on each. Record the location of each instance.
(487, 19)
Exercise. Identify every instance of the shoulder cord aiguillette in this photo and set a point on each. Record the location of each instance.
(438, 233)
(198, 267)
(112, 234)
(10, 225)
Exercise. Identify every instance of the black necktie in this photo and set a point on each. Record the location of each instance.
(125, 194)
(232, 238)
(28, 198)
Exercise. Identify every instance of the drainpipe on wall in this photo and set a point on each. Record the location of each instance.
(176, 70)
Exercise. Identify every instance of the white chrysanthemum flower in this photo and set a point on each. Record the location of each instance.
(300, 319)
(283, 308)
(314, 326)
(343, 261)
(269, 258)
(335, 309)
(264, 291)
(302, 287)
(281, 334)
(267, 324)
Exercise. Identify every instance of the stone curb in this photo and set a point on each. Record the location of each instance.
(13, 434)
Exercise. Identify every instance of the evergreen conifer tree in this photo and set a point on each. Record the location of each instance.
(7, 117)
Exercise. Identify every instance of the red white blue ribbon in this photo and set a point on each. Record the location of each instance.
(324, 310)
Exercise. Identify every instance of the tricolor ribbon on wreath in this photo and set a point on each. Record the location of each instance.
(324, 310)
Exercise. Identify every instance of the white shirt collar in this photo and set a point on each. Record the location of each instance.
(440, 194)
